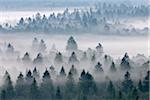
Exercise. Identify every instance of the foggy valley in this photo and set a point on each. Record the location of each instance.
(74, 50)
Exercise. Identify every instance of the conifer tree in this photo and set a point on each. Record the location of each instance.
(98, 67)
(113, 67)
(34, 90)
(47, 89)
(20, 86)
(36, 73)
(125, 65)
(8, 87)
(127, 84)
(29, 77)
(62, 72)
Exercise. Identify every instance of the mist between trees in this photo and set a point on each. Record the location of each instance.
(72, 75)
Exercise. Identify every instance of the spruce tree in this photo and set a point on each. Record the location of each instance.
(113, 67)
(70, 88)
(36, 73)
(98, 68)
(8, 87)
(73, 58)
(20, 86)
(47, 89)
(127, 84)
(29, 77)
(26, 57)
(87, 84)
(34, 90)
(62, 72)
(125, 65)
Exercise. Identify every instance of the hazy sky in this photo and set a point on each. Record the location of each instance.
(38, 4)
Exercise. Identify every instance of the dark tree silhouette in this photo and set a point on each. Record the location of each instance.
(125, 65)
(62, 72)
(47, 89)
(8, 87)
(34, 90)
(127, 84)
(98, 68)
(20, 86)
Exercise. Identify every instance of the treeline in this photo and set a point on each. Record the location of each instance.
(80, 20)
(32, 87)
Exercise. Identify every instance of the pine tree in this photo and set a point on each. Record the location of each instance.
(10, 49)
(71, 44)
(36, 73)
(8, 87)
(125, 65)
(29, 77)
(20, 86)
(87, 84)
(47, 86)
(26, 57)
(113, 67)
(70, 88)
(62, 72)
(46, 76)
(99, 48)
(38, 59)
(127, 84)
(34, 91)
(98, 67)
(82, 74)
(73, 58)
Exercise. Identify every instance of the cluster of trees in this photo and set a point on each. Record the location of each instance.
(102, 80)
(32, 87)
(96, 18)
(72, 55)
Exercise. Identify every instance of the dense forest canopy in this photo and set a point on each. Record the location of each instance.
(103, 18)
